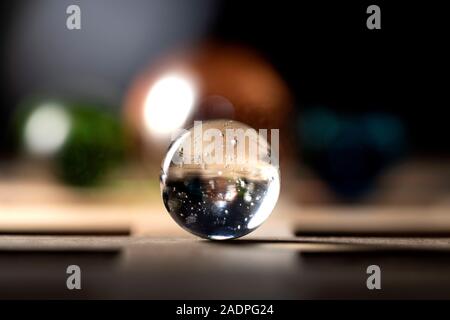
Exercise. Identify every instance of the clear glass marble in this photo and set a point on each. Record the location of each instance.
(212, 183)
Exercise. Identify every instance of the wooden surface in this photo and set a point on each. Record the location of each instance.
(251, 268)
(158, 260)
(128, 247)
(413, 201)
(286, 220)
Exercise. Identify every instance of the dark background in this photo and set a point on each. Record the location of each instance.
(328, 57)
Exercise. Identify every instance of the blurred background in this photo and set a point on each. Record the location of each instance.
(86, 115)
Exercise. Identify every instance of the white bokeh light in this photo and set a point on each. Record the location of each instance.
(46, 130)
(169, 104)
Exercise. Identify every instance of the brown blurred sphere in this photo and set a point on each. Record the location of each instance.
(231, 82)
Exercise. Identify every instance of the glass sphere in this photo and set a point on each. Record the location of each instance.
(220, 179)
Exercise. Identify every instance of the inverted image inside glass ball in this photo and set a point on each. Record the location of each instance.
(212, 183)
